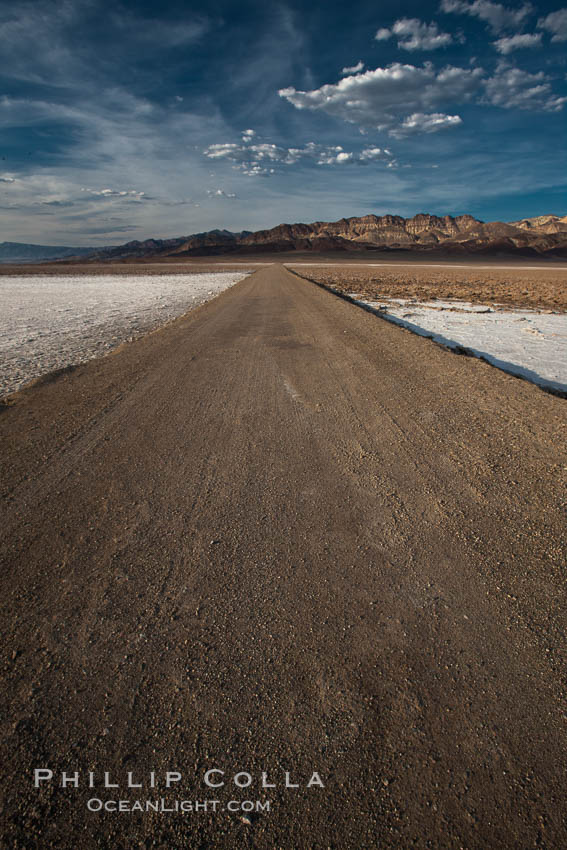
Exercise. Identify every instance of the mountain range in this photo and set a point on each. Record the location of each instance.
(543, 236)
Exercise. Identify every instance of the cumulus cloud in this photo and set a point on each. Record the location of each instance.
(220, 193)
(556, 24)
(334, 158)
(420, 122)
(259, 160)
(513, 88)
(376, 154)
(382, 99)
(7, 179)
(413, 34)
(405, 99)
(508, 44)
(371, 154)
(248, 135)
(498, 17)
(353, 69)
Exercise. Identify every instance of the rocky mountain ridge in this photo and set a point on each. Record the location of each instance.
(543, 224)
(542, 236)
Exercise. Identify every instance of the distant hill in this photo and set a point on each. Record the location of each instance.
(23, 252)
(210, 242)
(543, 236)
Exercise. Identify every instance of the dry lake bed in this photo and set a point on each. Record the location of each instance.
(50, 322)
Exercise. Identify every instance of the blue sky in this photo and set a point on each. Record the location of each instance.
(127, 120)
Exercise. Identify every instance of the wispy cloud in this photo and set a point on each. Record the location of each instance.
(353, 69)
(413, 34)
(498, 17)
(44, 41)
(220, 193)
(556, 24)
(512, 88)
(508, 44)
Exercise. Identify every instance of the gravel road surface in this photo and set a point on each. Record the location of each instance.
(281, 536)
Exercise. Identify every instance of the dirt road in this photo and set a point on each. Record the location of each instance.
(282, 535)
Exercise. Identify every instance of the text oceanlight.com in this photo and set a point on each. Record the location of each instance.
(164, 806)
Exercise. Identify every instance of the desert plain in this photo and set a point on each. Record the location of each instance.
(542, 287)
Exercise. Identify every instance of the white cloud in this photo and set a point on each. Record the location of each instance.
(413, 34)
(41, 189)
(248, 135)
(375, 154)
(258, 160)
(420, 122)
(555, 23)
(382, 99)
(353, 69)
(220, 193)
(498, 17)
(266, 152)
(254, 160)
(104, 131)
(334, 158)
(508, 44)
(115, 193)
(34, 190)
(321, 154)
(222, 151)
(251, 169)
(372, 154)
(405, 99)
(513, 88)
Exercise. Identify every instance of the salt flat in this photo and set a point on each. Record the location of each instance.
(529, 343)
(49, 322)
